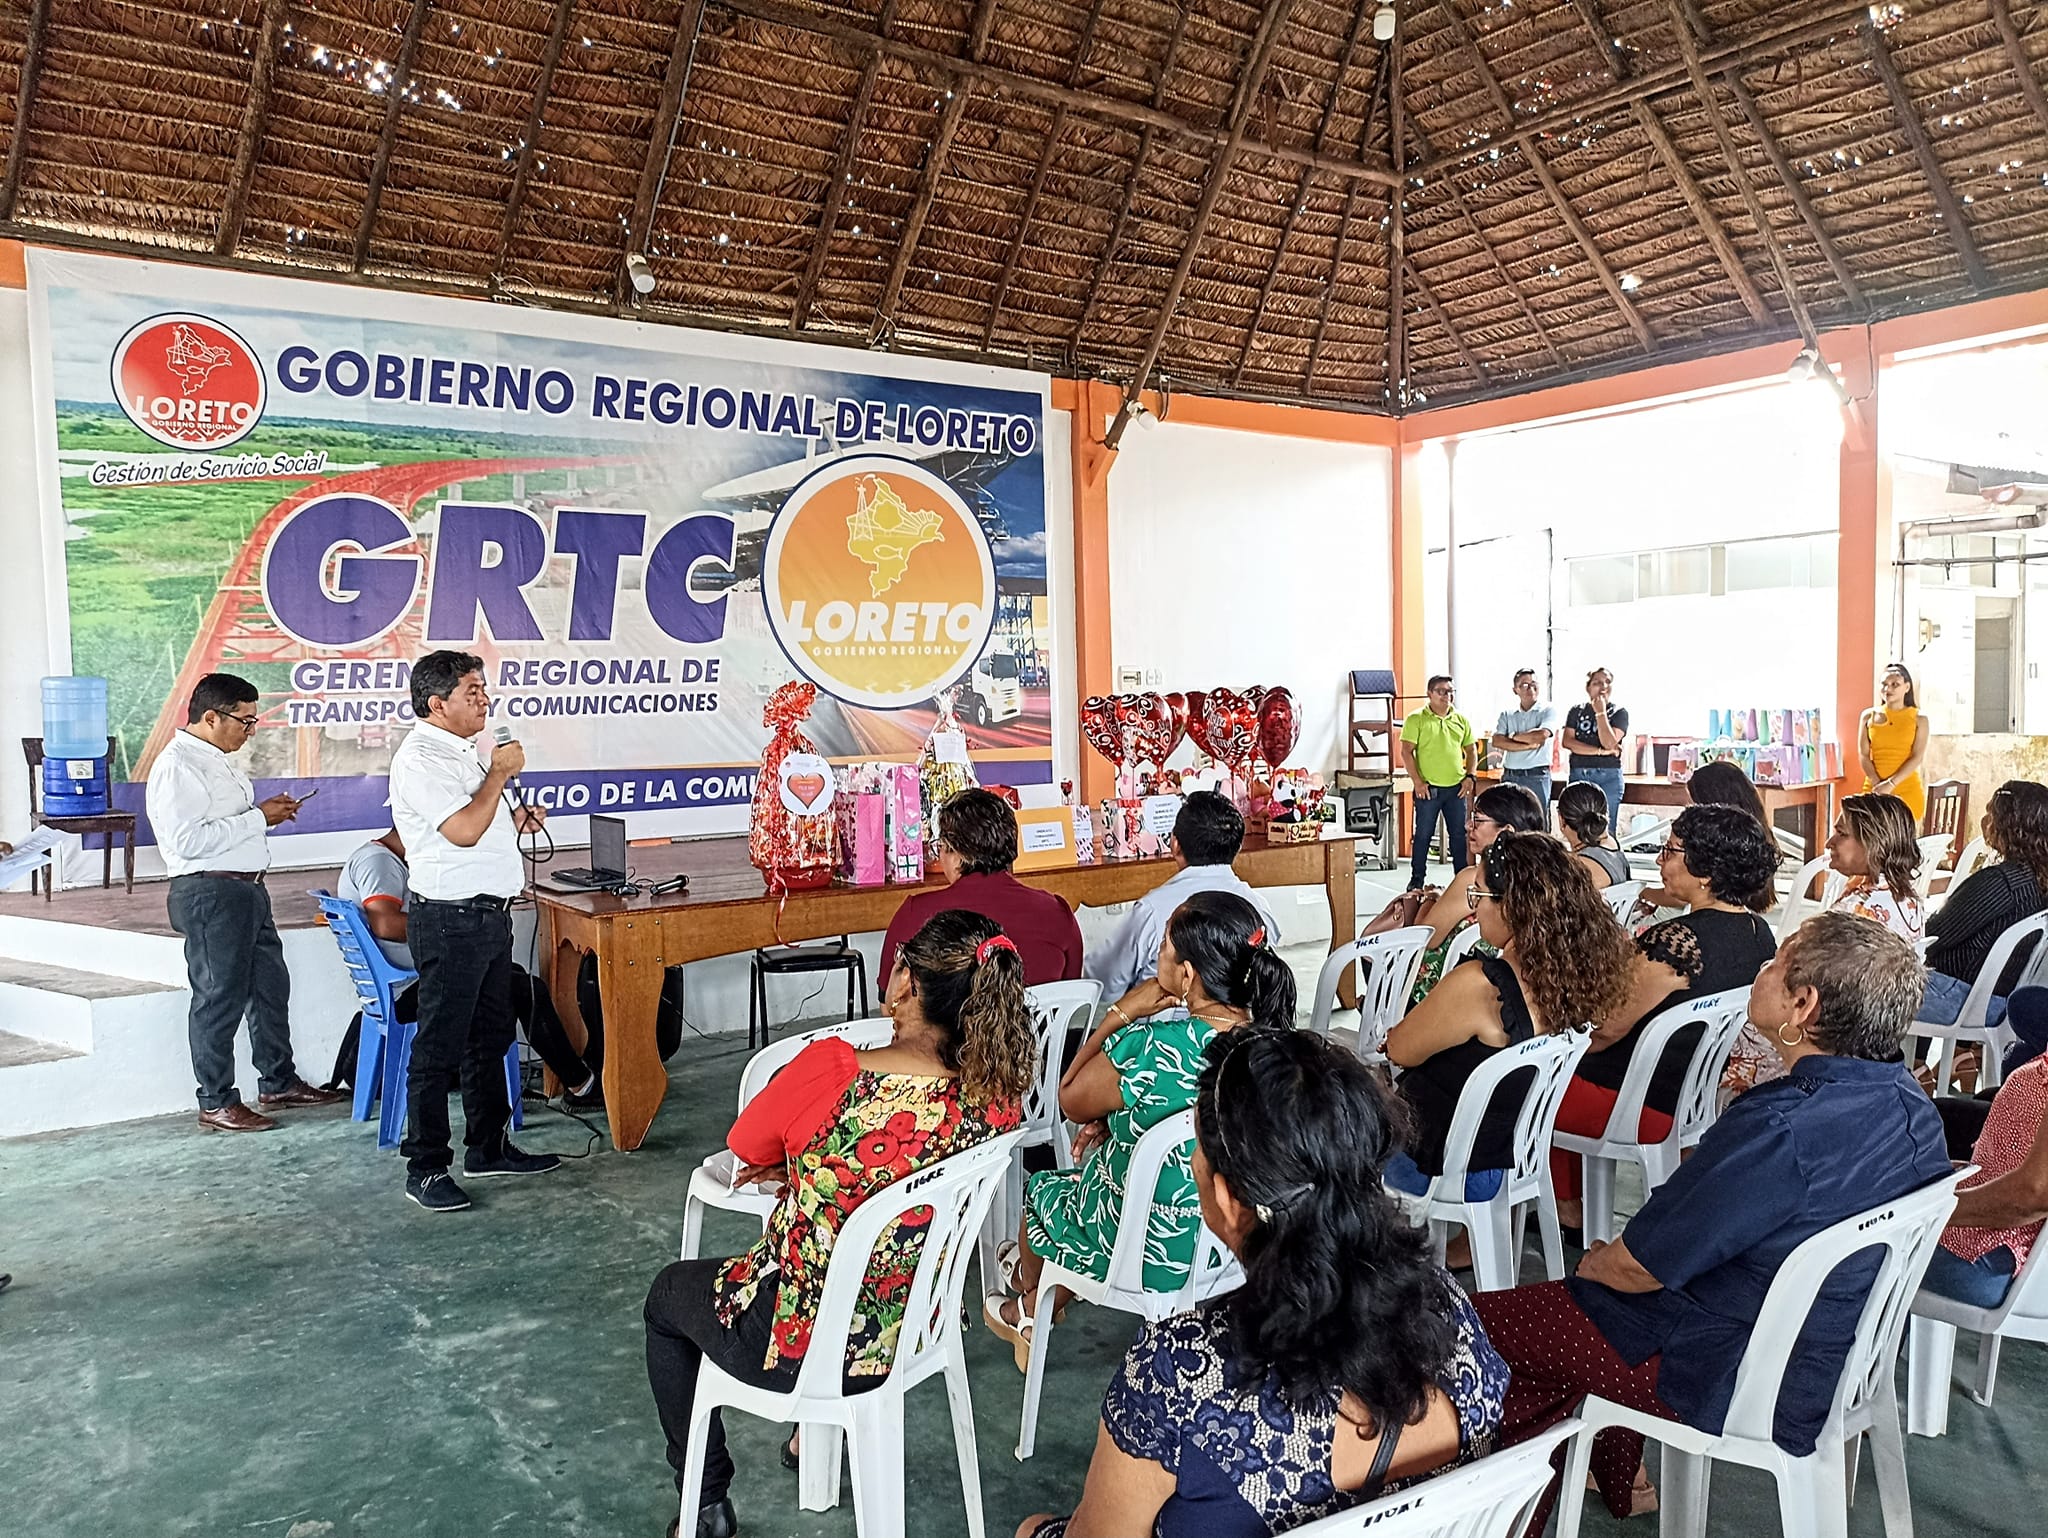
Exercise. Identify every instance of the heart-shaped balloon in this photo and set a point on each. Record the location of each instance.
(1232, 729)
(1171, 726)
(1177, 706)
(1099, 727)
(1160, 736)
(1130, 725)
(1255, 696)
(1198, 725)
(1279, 727)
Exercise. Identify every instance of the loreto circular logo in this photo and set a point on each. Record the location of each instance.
(189, 382)
(880, 585)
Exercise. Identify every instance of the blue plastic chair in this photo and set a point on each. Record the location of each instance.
(380, 1074)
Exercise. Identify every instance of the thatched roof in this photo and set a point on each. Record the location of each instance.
(1086, 186)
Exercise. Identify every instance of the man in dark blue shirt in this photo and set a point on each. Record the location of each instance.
(1659, 1319)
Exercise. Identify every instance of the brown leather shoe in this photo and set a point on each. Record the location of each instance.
(235, 1118)
(299, 1093)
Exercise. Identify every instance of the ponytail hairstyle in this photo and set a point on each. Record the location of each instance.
(1224, 939)
(1582, 808)
(1339, 1290)
(970, 984)
(1884, 826)
(1912, 697)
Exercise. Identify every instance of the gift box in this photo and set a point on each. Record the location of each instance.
(906, 834)
(794, 838)
(1778, 763)
(1679, 767)
(1084, 835)
(943, 768)
(1117, 833)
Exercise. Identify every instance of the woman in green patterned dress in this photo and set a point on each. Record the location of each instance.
(1216, 973)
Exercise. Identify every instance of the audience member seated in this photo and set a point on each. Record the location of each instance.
(1582, 818)
(1494, 810)
(977, 847)
(1973, 915)
(1658, 1320)
(1718, 862)
(1207, 835)
(1560, 961)
(1720, 783)
(1876, 847)
(1999, 1212)
(1216, 972)
(834, 1127)
(375, 880)
(1347, 1365)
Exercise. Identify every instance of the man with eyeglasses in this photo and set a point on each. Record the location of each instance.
(1437, 745)
(213, 835)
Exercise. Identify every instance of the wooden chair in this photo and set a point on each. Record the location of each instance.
(107, 823)
(1948, 811)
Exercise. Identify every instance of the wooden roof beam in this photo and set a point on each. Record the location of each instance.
(1251, 335)
(1249, 83)
(661, 142)
(255, 117)
(934, 171)
(17, 141)
(1372, 113)
(1768, 44)
(1915, 132)
(1443, 321)
(1525, 141)
(1612, 59)
(1693, 25)
(1123, 212)
(1394, 369)
(529, 143)
(842, 175)
(1703, 213)
(1038, 176)
(1004, 82)
(380, 165)
(2030, 83)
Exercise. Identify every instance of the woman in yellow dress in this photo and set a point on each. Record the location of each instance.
(1893, 741)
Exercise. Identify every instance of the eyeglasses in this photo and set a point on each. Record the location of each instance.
(1473, 894)
(246, 723)
(1670, 851)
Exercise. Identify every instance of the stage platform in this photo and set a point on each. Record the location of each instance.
(144, 912)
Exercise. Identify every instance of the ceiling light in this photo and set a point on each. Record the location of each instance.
(1383, 24)
(640, 272)
(1805, 366)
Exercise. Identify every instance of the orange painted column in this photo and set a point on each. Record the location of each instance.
(1864, 572)
(1404, 564)
(1090, 405)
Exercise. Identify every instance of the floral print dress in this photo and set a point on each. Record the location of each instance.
(887, 1126)
(1071, 1215)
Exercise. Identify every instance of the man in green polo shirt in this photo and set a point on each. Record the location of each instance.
(1437, 747)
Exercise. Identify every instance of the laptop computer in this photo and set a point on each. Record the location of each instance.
(607, 857)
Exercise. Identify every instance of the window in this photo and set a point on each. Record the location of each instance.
(1675, 573)
(1602, 579)
(1698, 571)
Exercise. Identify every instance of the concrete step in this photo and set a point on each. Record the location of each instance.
(16, 1051)
(57, 1004)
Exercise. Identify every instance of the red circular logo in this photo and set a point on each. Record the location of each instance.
(189, 382)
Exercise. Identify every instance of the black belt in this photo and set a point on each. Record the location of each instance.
(253, 877)
(495, 904)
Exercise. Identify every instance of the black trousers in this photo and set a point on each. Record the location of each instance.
(464, 957)
(542, 1026)
(683, 1329)
(235, 963)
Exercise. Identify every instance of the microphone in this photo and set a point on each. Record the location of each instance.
(504, 735)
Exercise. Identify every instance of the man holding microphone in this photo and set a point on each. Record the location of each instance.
(212, 833)
(461, 832)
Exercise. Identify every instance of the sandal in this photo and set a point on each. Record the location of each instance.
(790, 1454)
(994, 1313)
(1006, 1266)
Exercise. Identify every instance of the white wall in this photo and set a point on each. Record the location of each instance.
(24, 609)
(1241, 558)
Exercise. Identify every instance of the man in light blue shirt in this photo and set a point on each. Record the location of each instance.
(1523, 737)
(1206, 837)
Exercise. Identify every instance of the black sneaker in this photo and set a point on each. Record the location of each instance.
(437, 1192)
(507, 1159)
(717, 1521)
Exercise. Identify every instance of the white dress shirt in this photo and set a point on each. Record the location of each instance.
(1132, 954)
(434, 775)
(204, 810)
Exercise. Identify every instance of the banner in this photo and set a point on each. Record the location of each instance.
(641, 530)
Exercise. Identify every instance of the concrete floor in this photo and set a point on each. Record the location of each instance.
(210, 1335)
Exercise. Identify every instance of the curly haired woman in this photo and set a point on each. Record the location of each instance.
(1563, 961)
(834, 1127)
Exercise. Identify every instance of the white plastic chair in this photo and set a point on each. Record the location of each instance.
(1813, 1491)
(1931, 1342)
(1389, 964)
(1932, 848)
(1460, 947)
(1698, 1103)
(1497, 1226)
(1054, 1008)
(1970, 1023)
(1122, 1285)
(1975, 856)
(1621, 898)
(711, 1181)
(1490, 1498)
(958, 1191)
(1799, 907)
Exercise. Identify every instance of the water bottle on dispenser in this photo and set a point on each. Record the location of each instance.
(74, 747)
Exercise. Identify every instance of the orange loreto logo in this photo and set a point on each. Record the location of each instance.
(189, 382)
(880, 585)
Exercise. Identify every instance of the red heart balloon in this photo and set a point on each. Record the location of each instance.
(1232, 729)
(1175, 728)
(1255, 696)
(1130, 726)
(1098, 726)
(1198, 725)
(1160, 736)
(1279, 727)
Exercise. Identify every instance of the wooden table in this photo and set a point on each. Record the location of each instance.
(1812, 807)
(727, 911)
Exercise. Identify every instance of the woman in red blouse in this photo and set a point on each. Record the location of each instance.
(832, 1128)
